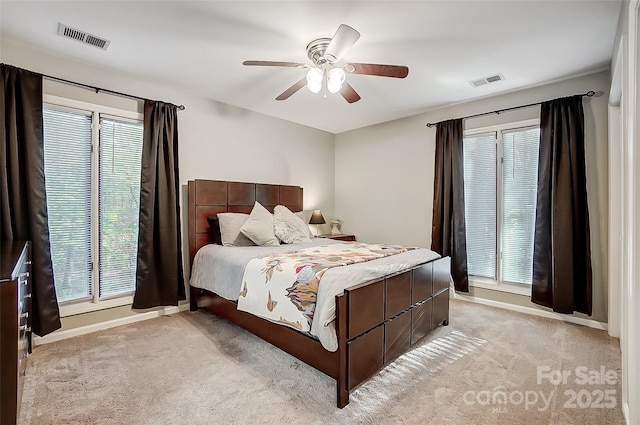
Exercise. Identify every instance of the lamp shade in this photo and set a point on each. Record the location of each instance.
(317, 218)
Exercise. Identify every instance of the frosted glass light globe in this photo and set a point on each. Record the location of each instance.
(314, 80)
(335, 79)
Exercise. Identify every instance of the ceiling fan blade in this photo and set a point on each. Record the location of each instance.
(344, 38)
(395, 71)
(272, 63)
(291, 90)
(349, 93)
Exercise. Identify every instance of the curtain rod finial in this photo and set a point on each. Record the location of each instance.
(181, 107)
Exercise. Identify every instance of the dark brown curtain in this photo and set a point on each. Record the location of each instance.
(22, 187)
(159, 276)
(562, 253)
(448, 235)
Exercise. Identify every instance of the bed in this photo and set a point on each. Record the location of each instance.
(375, 321)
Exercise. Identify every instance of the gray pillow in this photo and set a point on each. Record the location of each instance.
(230, 225)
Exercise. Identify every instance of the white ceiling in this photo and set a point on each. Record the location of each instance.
(200, 46)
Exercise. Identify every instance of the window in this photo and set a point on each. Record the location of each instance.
(92, 170)
(500, 183)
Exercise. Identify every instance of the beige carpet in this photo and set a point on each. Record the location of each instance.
(194, 368)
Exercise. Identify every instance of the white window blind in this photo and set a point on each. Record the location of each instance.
(480, 203)
(120, 162)
(67, 163)
(93, 198)
(500, 183)
(519, 189)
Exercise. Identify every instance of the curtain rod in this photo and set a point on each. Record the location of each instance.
(99, 89)
(590, 93)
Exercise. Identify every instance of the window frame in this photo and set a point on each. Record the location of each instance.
(94, 303)
(482, 281)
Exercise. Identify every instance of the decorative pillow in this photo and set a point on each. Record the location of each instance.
(289, 228)
(230, 225)
(214, 230)
(259, 226)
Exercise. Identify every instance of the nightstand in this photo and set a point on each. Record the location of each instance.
(340, 237)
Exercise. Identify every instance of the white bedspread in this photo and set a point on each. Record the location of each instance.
(220, 269)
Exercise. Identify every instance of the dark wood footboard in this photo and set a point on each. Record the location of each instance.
(380, 320)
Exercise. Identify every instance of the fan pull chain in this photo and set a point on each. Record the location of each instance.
(324, 80)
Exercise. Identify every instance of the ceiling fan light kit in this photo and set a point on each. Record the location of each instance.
(324, 53)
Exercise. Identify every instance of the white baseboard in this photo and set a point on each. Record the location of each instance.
(64, 334)
(533, 311)
(82, 330)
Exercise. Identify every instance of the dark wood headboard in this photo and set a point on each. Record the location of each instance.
(210, 197)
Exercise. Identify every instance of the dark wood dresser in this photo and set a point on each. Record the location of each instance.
(15, 325)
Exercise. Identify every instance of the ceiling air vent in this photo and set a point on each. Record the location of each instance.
(82, 37)
(486, 80)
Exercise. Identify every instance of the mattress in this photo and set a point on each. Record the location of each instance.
(219, 269)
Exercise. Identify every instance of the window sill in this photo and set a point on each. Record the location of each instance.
(73, 308)
(513, 288)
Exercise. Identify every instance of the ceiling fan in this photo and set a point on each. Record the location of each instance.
(325, 53)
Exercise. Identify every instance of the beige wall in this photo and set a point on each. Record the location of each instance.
(217, 141)
(384, 174)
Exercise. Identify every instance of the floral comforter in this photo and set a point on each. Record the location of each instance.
(283, 287)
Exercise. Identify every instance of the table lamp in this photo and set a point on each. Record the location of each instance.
(317, 218)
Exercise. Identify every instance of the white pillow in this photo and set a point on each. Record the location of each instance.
(230, 225)
(259, 226)
(302, 216)
(289, 228)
